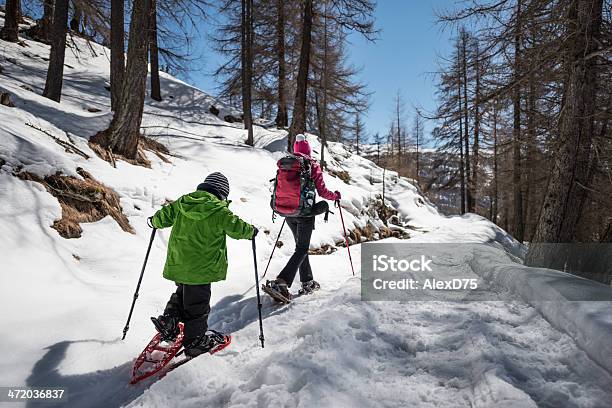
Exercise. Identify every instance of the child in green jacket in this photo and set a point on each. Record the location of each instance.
(197, 256)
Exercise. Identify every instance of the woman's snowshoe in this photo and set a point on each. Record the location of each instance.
(309, 287)
(278, 290)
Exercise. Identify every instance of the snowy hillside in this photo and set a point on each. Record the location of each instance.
(65, 300)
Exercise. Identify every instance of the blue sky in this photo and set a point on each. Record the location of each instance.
(407, 50)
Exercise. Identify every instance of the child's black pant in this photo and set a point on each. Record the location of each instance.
(191, 304)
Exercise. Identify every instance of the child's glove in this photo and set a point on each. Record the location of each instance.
(338, 196)
(255, 231)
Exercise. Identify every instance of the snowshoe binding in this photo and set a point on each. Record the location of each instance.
(309, 287)
(278, 290)
(167, 326)
(210, 342)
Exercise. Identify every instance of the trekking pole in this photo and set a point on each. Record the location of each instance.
(127, 324)
(345, 237)
(274, 249)
(261, 334)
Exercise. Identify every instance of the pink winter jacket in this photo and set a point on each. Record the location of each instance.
(317, 176)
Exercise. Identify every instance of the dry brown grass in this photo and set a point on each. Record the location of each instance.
(384, 211)
(85, 200)
(369, 233)
(144, 144)
(323, 250)
(342, 175)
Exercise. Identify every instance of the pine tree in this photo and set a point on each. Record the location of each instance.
(77, 16)
(418, 131)
(46, 22)
(247, 66)
(282, 118)
(55, 72)
(123, 134)
(154, 52)
(10, 31)
(565, 196)
(298, 121)
(359, 132)
(117, 45)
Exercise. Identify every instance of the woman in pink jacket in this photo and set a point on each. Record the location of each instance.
(302, 227)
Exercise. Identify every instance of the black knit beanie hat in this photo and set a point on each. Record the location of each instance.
(217, 184)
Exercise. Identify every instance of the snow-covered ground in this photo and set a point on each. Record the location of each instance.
(65, 301)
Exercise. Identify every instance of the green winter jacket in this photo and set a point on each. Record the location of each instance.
(197, 252)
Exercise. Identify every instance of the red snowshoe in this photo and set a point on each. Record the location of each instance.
(159, 357)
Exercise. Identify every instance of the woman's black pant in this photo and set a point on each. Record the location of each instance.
(301, 227)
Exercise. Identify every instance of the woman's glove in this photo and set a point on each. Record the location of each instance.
(338, 196)
(255, 231)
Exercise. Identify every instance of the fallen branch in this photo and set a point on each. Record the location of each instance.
(70, 148)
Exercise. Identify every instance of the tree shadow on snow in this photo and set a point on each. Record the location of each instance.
(102, 388)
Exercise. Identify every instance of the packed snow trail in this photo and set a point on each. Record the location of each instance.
(331, 349)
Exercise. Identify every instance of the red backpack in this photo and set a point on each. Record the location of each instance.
(294, 189)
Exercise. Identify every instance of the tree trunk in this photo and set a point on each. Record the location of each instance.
(466, 128)
(358, 131)
(282, 119)
(529, 195)
(495, 167)
(117, 35)
(321, 125)
(77, 16)
(154, 53)
(55, 73)
(298, 121)
(324, 85)
(590, 15)
(418, 137)
(247, 66)
(519, 221)
(399, 134)
(475, 145)
(564, 197)
(124, 131)
(461, 159)
(46, 22)
(10, 31)
(383, 184)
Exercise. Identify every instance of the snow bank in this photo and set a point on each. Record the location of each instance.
(559, 296)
